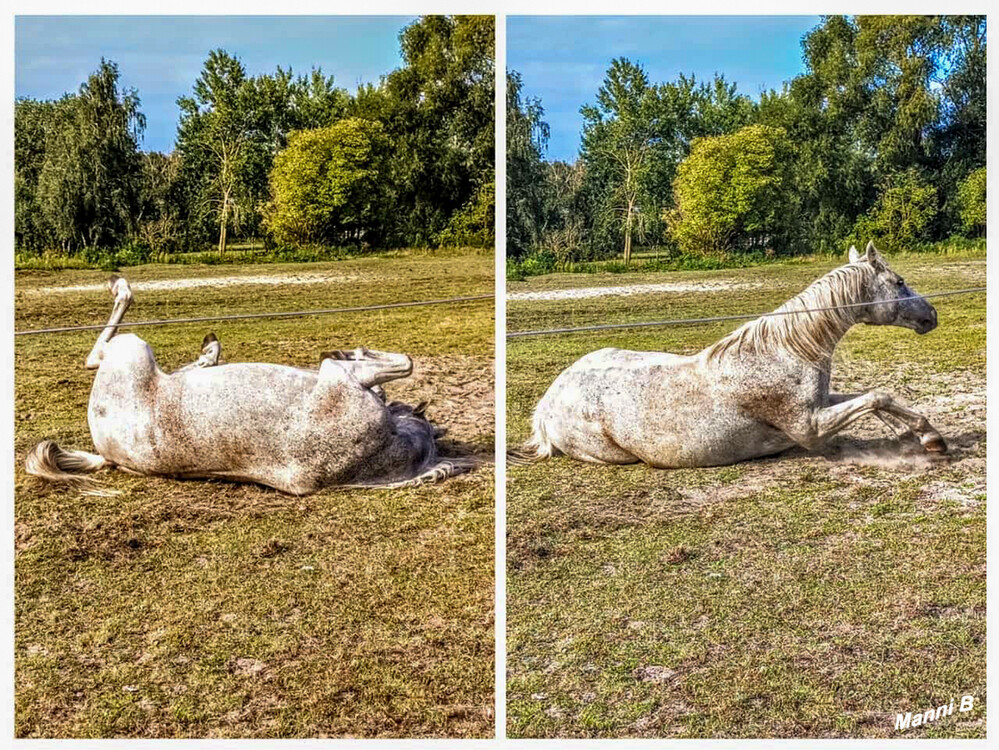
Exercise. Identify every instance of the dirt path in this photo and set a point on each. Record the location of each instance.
(214, 281)
(677, 287)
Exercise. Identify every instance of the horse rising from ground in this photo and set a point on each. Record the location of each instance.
(292, 429)
(758, 391)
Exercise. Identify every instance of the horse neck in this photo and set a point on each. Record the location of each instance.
(813, 336)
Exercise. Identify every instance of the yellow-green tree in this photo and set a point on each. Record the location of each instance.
(329, 185)
(735, 193)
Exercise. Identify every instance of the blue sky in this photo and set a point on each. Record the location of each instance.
(562, 60)
(162, 56)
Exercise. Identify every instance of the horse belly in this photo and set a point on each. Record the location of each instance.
(273, 425)
(622, 407)
(689, 437)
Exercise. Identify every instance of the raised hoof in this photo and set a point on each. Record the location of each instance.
(934, 444)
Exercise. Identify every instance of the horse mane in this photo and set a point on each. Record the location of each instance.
(809, 336)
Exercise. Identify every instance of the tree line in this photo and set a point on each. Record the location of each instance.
(881, 137)
(294, 160)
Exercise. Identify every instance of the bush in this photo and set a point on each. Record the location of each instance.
(109, 259)
(971, 202)
(537, 263)
(902, 216)
(474, 224)
(329, 185)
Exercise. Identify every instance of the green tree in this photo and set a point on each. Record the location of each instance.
(438, 113)
(735, 192)
(526, 140)
(475, 224)
(222, 141)
(162, 203)
(618, 140)
(329, 185)
(636, 135)
(32, 120)
(882, 95)
(231, 128)
(88, 180)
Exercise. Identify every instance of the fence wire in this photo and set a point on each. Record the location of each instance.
(259, 316)
(723, 318)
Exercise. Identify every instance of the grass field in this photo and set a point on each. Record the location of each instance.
(806, 595)
(197, 609)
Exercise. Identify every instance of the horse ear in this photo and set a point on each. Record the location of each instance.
(872, 255)
(854, 255)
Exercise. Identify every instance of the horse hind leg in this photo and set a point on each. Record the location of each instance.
(122, 293)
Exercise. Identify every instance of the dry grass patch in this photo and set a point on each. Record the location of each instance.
(808, 595)
(211, 609)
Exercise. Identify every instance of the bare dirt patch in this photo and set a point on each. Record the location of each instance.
(954, 403)
(461, 394)
(163, 285)
(674, 287)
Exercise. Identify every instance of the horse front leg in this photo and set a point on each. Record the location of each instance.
(928, 436)
(122, 294)
(845, 409)
(372, 368)
(211, 353)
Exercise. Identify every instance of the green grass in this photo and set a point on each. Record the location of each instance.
(207, 609)
(810, 595)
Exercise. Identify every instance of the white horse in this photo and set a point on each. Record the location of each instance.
(292, 429)
(758, 391)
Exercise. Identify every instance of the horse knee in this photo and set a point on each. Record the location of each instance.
(879, 400)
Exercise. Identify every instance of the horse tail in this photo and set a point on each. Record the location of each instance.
(50, 462)
(537, 448)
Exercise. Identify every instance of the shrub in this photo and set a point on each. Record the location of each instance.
(903, 214)
(971, 202)
(474, 224)
(329, 185)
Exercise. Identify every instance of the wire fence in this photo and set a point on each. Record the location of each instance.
(474, 298)
(260, 316)
(722, 318)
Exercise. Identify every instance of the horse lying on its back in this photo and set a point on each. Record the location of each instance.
(292, 429)
(759, 391)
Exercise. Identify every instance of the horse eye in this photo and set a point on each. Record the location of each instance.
(899, 283)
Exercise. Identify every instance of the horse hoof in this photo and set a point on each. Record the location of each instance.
(935, 444)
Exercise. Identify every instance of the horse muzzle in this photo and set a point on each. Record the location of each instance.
(926, 323)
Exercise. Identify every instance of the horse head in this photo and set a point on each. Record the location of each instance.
(895, 303)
